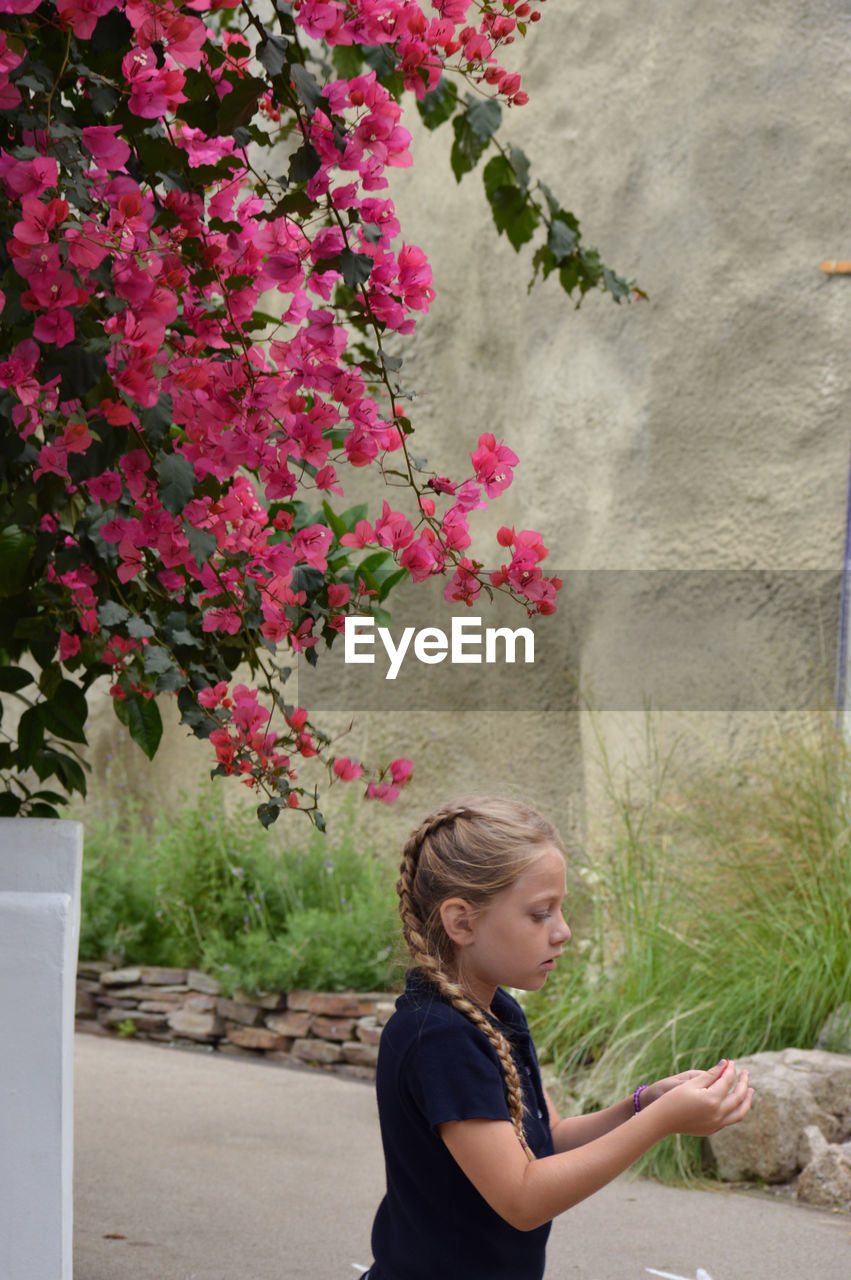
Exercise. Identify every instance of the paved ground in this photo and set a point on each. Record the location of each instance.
(191, 1166)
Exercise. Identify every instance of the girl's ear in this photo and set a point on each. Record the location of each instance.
(458, 918)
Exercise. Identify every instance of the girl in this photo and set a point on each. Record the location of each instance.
(478, 1160)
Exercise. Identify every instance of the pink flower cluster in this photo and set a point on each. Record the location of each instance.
(423, 42)
(186, 271)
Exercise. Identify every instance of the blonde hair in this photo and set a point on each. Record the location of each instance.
(471, 849)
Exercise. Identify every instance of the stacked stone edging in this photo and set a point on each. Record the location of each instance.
(335, 1031)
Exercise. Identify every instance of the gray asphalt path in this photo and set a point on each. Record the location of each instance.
(194, 1166)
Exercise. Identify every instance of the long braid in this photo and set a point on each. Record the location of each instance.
(430, 964)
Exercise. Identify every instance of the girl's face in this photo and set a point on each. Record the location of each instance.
(516, 939)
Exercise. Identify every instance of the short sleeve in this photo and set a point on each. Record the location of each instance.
(455, 1074)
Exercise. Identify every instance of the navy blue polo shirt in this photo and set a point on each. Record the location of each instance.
(436, 1065)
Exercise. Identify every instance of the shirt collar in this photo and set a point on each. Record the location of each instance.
(505, 1009)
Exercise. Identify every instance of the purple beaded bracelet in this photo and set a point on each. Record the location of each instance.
(636, 1097)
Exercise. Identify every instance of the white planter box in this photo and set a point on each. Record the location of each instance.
(40, 865)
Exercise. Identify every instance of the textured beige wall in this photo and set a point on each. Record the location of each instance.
(705, 150)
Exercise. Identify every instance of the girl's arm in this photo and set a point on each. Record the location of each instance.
(529, 1193)
(576, 1131)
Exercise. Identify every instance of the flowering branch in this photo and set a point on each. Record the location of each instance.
(194, 346)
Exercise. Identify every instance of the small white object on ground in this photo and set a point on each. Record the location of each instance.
(669, 1275)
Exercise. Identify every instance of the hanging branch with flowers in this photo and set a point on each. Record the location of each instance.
(201, 274)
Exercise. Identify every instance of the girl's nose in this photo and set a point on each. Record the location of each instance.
(562, 932)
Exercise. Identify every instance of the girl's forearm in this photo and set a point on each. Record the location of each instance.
(576, 1131)
(558, 1182)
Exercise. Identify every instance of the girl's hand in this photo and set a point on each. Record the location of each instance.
(652, 1092)
(705, 1101)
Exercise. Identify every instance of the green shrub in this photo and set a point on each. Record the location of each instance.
(202, 888)
(721, 926)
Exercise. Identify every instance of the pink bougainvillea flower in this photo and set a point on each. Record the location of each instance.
(401, 770)
(493, 464)
(464, 586)
(363, 535)
(69, 646)
(347, 770)
(339, 594)
(28, 177)
(393, 529)
(103, 143)
(82, 15)
(383, 791)
(211, 697)
(311, 545)
(421, 559)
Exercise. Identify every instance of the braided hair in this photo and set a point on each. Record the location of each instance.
(472, 849)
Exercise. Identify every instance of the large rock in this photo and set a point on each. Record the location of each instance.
(826, 1178)
(835, 1035)
(793, 1089)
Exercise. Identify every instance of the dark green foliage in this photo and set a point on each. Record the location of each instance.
(217, 892)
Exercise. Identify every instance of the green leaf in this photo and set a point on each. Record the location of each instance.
(356, 268)
(71, 774)
(157, 659)
(238, 106)
(113, 31)
(49, 797)
(347, 60)
(66, 712)
(521, 165)
(335, 522)
(272, 53)
(303, 164)
(374, 562)
(183, 637)
(202, 543)
(388, 583)
(156, 421)
(142, 718)
(14, 678)
(78, 367)
(16, 552)
(467, 148)
(30, 736)
(513, 211)
(37, 810)
(569, 276)
(307, 87)
(177, 481)
(553, 204)
(268, 813)
(484, 117)
(353, 515)
(513, 214)
(139, 629)
(497, 173)
(616, 285)
(561, 240)
(9, 804)
(112, 614)
(50, 680)
(439, 103)
(170, 681)
(103, 100)
(294, 202)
